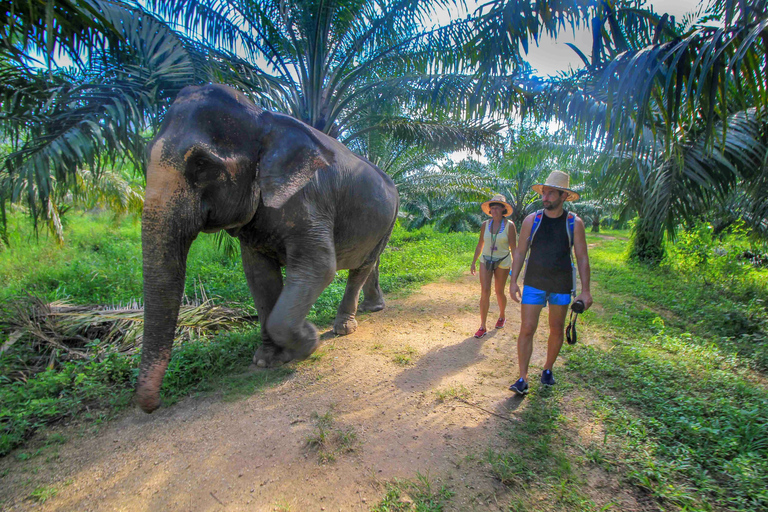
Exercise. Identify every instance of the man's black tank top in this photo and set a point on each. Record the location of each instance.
(549, 264)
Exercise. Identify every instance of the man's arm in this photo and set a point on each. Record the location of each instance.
(519, 259)
(582, 261)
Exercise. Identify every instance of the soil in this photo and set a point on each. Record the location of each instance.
(382, 383)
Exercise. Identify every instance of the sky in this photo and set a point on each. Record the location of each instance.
(553, 56)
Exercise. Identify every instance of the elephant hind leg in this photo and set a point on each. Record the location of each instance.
(345, 322)
(265, 283)
(373, 297)
(294, 336)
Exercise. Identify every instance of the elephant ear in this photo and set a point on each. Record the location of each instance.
(292, 156)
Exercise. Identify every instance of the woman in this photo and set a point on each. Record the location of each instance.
(501, 237)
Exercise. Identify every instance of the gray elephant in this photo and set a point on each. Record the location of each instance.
(294, 196)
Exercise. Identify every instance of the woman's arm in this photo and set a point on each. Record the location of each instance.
(478, 249)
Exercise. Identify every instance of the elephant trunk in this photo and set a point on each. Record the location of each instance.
(165, 243)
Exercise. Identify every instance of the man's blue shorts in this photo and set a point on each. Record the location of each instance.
(538, 297)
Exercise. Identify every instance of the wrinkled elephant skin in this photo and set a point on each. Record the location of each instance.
(295, 198)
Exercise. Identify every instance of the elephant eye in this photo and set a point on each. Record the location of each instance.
(203, 167)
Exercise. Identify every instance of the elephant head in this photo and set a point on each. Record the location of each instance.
(216, 160)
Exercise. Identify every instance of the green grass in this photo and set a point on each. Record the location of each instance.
(681, 386)
(329, 440)
(722, 298)
(536, 462)
(413, 495)
(452, 392)
(100, 263)
(678, 385)
(43, 494)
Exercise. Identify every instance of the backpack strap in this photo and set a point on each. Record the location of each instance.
(534, 228)
(570, 224)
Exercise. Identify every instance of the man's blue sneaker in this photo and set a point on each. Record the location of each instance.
(547, 378)
(520, 387)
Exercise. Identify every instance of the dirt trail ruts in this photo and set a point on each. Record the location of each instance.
(252, 454)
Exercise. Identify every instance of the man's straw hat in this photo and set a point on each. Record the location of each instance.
(558, 180)
(498, 198)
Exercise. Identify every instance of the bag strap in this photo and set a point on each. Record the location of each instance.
(570, 225)
(534, 228)
(570, 332)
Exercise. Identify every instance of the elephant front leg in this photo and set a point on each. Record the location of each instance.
(265, 283)
(287, 324)
(345, 322)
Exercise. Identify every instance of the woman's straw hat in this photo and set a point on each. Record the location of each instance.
(558, 180)
(498, 198)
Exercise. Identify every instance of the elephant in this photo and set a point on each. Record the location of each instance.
(294, 197)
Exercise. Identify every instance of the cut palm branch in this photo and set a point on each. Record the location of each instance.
(59, 331)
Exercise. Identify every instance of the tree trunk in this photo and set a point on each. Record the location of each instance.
(647, 242)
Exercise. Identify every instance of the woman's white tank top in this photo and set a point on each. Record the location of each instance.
(496, 246)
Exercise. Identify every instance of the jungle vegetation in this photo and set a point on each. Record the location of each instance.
(663, 131)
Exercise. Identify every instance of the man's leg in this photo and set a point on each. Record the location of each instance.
(529, 321)
(557, 316)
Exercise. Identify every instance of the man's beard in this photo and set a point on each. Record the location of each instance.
(552, 205)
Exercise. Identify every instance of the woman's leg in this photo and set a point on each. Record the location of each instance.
(500, 284)
(485, 294)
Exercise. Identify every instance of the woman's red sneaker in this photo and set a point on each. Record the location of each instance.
(481, 332)
(500, 323)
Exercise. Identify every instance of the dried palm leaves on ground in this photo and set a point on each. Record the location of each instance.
(58, 331)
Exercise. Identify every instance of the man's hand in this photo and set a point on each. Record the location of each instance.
(514, 291)
(586, 298)
(472, 268)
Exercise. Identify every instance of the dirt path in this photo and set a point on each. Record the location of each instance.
(252, 454)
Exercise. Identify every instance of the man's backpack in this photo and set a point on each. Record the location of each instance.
(570, 224)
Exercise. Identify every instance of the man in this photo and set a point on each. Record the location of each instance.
(549, 274)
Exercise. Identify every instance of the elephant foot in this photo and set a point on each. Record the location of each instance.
(301, 344)
(271, 356)
(344, 324)
(307, 342)
(371, 306)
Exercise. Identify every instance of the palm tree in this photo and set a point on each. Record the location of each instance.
(528, 157)
(340, 65)
(127, 67)
(658, 96)
(329, 64)
(365, 72)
